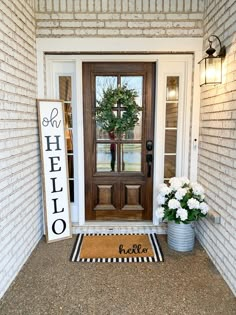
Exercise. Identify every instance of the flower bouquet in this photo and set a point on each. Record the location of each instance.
(181, 202)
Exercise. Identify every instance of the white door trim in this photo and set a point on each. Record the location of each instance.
(100, 45)
(160, 45)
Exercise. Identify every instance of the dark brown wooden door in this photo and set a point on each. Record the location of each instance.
(118, 169)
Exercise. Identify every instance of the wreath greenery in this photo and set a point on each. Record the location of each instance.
(106, 116)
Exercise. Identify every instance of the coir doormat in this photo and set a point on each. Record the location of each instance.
(117, 248)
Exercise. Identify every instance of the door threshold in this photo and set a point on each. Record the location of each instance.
(118, 227)
(119, 223)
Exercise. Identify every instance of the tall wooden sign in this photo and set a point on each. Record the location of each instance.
(54, 170)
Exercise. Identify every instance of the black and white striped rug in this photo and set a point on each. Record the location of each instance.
(117, 248)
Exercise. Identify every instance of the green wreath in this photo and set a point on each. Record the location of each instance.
(105, 115)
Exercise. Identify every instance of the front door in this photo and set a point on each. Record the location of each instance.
(118, 167)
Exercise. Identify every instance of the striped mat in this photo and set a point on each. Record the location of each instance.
(117, 248)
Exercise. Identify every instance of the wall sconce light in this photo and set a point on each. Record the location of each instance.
(211, 66)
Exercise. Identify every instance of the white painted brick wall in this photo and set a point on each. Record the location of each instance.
(217, 152)
(20, 186)
(120, 18)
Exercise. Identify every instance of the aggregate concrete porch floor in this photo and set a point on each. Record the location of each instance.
(184, 284)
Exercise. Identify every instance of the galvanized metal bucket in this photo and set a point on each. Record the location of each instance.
(181, 237)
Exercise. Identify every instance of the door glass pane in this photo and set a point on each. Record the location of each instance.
(136, 83)
(170, 165)
(136, 132)
(171, 115)
(131, 157)
(106, 157)
(102, 84)
(170, 141)
(172, 93)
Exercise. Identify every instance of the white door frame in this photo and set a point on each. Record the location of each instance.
(188, 58)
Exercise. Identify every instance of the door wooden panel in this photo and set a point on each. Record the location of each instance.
(133, 197)
(118, 173)
(105, 197)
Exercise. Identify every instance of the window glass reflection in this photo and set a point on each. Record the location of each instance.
(71, 186)
(70, 166)
(65, 88)
(170, 141)
(171, 115)
(170, 165)
(172, 91)
(131, 157)
(136, 132)
(102, 84)
(106, 157)
(69, 140)
(68, 115)
(136, 83)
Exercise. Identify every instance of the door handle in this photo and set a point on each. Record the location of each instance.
(149, 163)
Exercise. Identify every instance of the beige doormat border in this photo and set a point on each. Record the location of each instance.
(84, 241)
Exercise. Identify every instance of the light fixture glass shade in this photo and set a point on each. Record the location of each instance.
(210, 70)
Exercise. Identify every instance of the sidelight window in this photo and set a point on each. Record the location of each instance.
(65, 95)
(171, 125)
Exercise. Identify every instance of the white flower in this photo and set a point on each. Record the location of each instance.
(175, 183)
(173, 204)
(182, 214)
(164, 190)
(193, 203)
(184, 180)
(204, 208)
(172, 179)
(202, 197)
(174, 195)
(197, 189)
(160, 212)
(180, 193)
(161, 199)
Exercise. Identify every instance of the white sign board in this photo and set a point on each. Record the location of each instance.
(54, 170)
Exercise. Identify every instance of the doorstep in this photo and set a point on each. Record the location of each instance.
(108, 227)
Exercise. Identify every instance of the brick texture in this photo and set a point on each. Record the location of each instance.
(20, 187)
(120, 18)
(217, 154)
